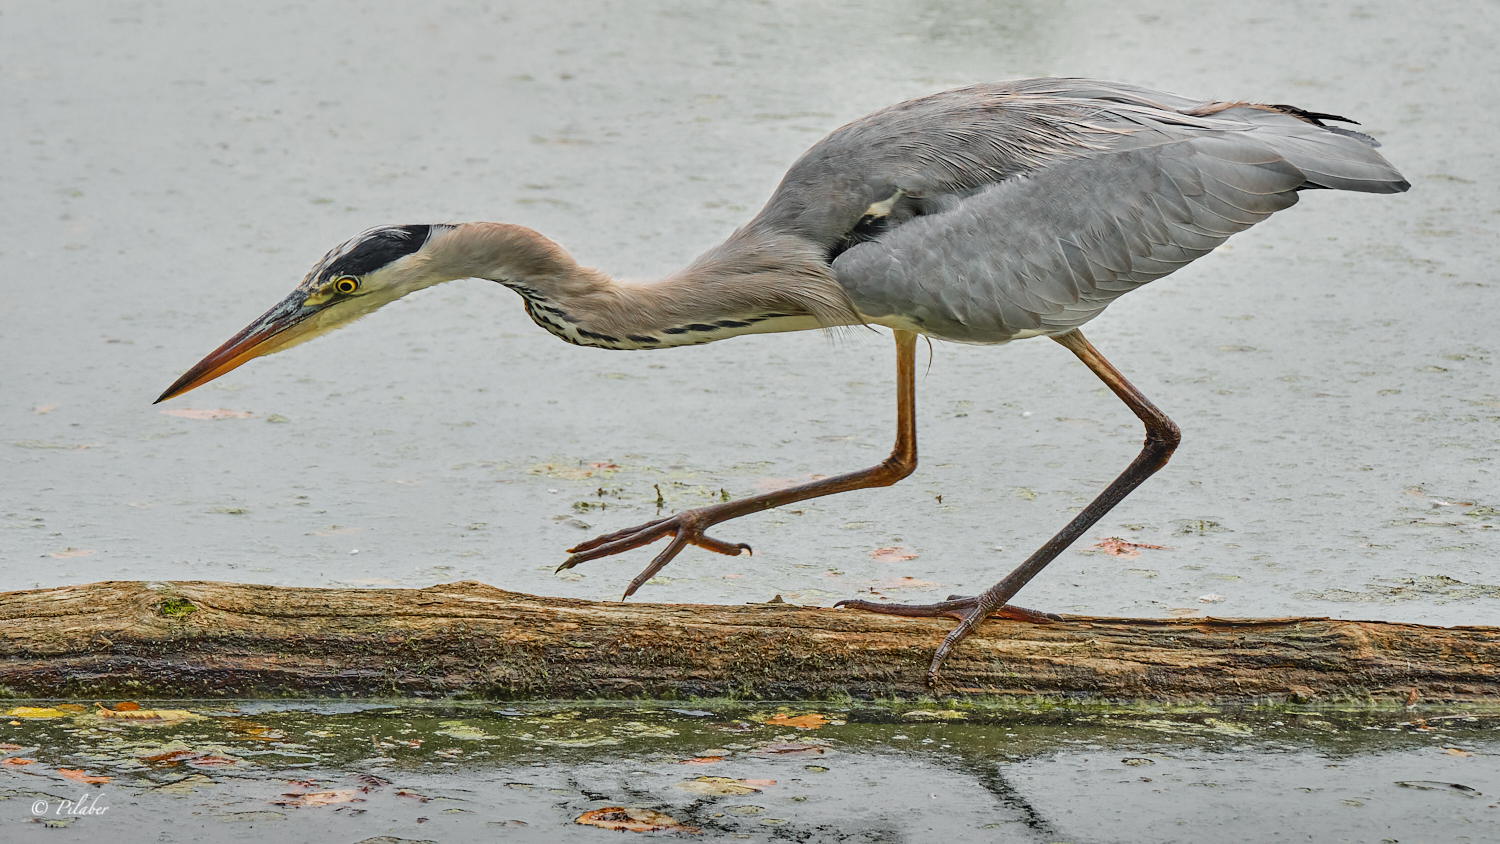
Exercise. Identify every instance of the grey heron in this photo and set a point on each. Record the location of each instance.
(979, 215)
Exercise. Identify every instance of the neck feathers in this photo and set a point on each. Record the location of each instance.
(750, 284)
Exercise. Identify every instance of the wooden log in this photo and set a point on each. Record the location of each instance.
(468, 640)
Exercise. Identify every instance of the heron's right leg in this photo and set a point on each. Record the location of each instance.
(687, 528)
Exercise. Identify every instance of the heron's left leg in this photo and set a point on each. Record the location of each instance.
(1162, 437)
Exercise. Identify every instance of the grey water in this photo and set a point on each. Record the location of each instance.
(393, 772)
(174, 169)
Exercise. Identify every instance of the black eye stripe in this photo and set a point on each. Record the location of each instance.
(376, 249)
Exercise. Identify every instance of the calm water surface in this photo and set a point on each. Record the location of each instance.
(174, 170)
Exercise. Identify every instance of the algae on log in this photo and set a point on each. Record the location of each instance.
(206, 639)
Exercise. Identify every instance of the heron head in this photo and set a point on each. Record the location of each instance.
(377, 267)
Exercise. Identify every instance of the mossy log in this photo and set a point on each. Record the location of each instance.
(204, 639)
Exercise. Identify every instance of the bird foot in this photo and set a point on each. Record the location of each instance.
(685, 528)
(970, 612)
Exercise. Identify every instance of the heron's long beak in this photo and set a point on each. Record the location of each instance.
(285, 325)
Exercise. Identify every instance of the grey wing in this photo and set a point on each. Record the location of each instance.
(1045, 252)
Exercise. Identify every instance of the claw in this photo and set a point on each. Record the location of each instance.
(970, 613)
(685, 528)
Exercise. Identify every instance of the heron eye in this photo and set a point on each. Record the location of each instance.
(346, 285)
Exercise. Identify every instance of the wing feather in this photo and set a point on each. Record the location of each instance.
(1051, 250)
(996, 211)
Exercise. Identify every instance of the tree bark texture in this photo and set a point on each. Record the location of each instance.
(204, 639)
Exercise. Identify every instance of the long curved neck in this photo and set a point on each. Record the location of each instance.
(750, 284)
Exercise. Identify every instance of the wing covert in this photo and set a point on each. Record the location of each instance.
(1045, 252)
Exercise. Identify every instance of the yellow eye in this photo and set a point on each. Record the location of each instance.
(346, 285)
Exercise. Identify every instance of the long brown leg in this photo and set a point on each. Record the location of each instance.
(686, 528)
(1162, 438)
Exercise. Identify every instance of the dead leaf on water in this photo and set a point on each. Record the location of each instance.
(1181, 611)
(702, 760)
(186, 785)
(370, 781)
(717, 786)
(1453, 751)
(562, 472)
(35, 712)
(1114, 546)
(72, 552)
(892, 555)
(314, 799)
(146, 716)
(630, 819)
(16, 761)
(788, 748)
(7, 748)
(934, 715)
(171, 757)
(802, 722)
(206, 413)
(80, 776)
(44, 408)
(211, 762)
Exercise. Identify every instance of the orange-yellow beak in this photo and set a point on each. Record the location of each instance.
(282, 326)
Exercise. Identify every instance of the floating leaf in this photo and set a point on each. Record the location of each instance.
(16, 761)
(460, 730)
(371, 781)
(934, 715)
(786, 748)
(313, 799)
(1114, 546)
(211, 762)
(560, 472)
(625, 819)
(146, 716)
(892, 555)
(716, 786)
(35, 712)
(80, 776)
(801, 722)
(171, 757)
(703, 760)
(72, 552)
(188, 785)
